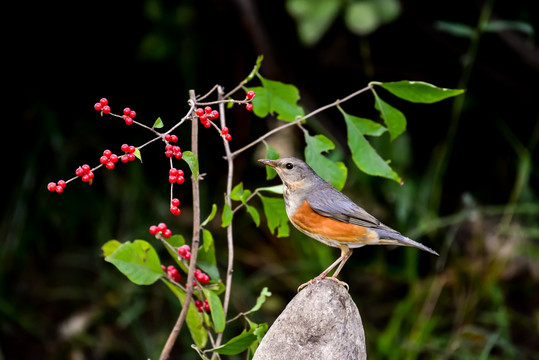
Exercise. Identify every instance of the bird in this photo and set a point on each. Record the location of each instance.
(316, 208)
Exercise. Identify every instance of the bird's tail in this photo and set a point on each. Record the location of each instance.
(395, 238)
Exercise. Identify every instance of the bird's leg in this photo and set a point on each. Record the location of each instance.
(345, 254)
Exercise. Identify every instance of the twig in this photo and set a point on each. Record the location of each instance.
(194, 245)
(299, 120)
(230, 239)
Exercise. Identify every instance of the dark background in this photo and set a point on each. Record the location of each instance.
(60, 300)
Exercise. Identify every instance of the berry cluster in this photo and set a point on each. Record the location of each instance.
(85, 173)
(202, 305)
(205, 115)
(175, 176)
(174, 209)
(161, 229)
(185, 252)
(173, 150)
(172, 273)
(225, 134)
(58, 187)
(102, 106)
(128, 116)
(108, 159)
(202, 277)
(250, 95)
(129, 151)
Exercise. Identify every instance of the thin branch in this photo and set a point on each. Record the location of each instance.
(299, 120)
(165, 354)
(229, 235)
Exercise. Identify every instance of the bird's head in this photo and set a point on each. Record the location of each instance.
(291, 170)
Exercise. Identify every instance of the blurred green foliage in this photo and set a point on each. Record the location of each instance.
(469, 171)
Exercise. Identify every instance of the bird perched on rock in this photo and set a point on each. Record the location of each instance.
(319, 210)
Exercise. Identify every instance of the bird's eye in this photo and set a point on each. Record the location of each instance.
(289, 166)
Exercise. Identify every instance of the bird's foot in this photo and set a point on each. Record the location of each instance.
(323, 276)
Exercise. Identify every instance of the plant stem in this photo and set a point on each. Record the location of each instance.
(230, 239)
(299, 120)
(165, 354)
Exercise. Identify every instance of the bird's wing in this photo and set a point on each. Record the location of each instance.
(338, 206)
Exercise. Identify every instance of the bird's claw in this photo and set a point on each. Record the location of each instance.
(323, 277)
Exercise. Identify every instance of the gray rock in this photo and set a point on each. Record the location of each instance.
(321, 322)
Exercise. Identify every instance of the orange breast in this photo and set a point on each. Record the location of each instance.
(322, 227)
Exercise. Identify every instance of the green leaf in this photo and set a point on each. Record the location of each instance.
(313, 17)
(192, 161)
(226, 217)
(237, 192)
(194, 320)
(211, 216)
(206, 256)
(254, 214)
(418, 91)
(253, 72)
(275, 97)
(277, 189)
(275, 212)
(138, 155)
(394, 119)
(264, 294)
(138, 261)
(158, 124)
(110, 246)
(216, 310)
(335, 173)
(363, 154)
(237, 344)
(271, 154)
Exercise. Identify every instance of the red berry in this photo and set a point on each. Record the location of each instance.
(103, 159)
(59, 189)
(103, 101)
(224, 131)
(131, 149)
(167, 233)
(85, 178)
(206, 305)
(62, 184)
(180, 180)
(173, 138)
(127, 111)
(154, 230)
(172, 179)
(132, 114)
(207, 124)
(107, 153)
(175, 202)
(169, 153)
(180, 172)
(228, 137)
(250, 94)
(124, 158)
(125, 147)
(131, 157)
(98, 106)
(214, 114)
(86, 168)
(161, 227)
(178, 155)
(199, 111)
(203, 118)
(249, 107)
(110, 165)
(175, 210)
(173, 172)
(51, 186)
(114, 158)
(207, 109)
(106, 109)
(128, 120)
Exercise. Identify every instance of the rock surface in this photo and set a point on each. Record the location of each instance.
(321, 322)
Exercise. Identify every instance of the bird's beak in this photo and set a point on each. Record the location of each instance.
(267, 162)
